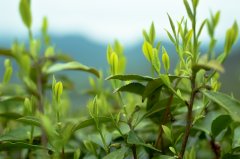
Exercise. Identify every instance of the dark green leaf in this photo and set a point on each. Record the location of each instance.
(130, 78)
(118, 154)
(11, 98)
(164, 157)
(231, 156)
(6, 146)
(136, 88)
(151, 87)
(219, 124)
(71, 66)
(10, 115)
(134, 139)
(90, 122)
(231, 105)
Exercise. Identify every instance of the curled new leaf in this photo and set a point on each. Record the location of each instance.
(58, 89)
(114, 63)
(8, 71)
(147, 51)
(165, 60)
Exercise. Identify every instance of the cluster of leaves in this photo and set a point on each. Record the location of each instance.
(162, 116)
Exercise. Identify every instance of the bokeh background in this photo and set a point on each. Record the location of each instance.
(84, 28)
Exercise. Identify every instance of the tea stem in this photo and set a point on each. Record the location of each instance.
(189, 116)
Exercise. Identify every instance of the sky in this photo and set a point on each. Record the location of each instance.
(106, 20)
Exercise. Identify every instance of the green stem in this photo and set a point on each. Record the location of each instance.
(31, 135)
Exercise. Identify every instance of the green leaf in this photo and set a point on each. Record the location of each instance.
(130, 78)
(164, 157)
(90, 122)
(134, 139)
(213, 64)
(170, 37)
(231, 105)
(231, 38)
(19, 134)
(30, 120)
(188, 36)
(6, 146)
(151, 87)
(136, 88)
(10, 115)
(77, 154)
(58, 90)
(161, 105)
(11, 98)
(219, 124)
(25, 12)
(44, 26)
(195, 3)
(201, 28)
(167, 132)
(114, 63)
(158, 82)
(165, 60)
(231, 156)
(216, 18)
(145, 35)
(147, 51)
(172, 149)
(152, 33)
(71, 66)
(172, 26)
(156, 61)
(189, 11)
(8, 71)
(117, 154)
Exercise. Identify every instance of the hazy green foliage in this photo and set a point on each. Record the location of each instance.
(164, 115)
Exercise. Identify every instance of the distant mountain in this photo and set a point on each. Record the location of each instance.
(93, 54)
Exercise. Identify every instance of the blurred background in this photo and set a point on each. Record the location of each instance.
(84, 28)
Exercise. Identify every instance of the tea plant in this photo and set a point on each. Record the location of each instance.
(164, 115)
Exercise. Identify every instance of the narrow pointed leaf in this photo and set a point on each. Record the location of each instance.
(25, 12)
(71, 66)
(189, 11)
(90, 122)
